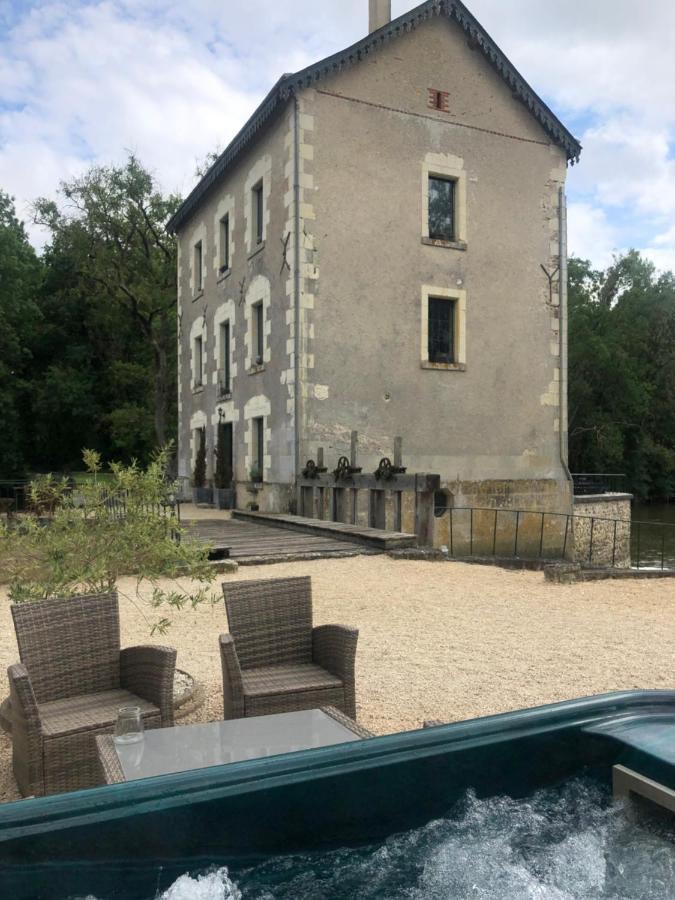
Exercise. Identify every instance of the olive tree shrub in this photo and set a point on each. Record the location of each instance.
(82, 539)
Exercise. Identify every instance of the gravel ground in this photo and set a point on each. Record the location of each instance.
(439, 640)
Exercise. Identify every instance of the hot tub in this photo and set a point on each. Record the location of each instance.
(133, 840)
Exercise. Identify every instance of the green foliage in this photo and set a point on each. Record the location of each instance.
(222, 477)
(112, 266)
(199, 473)
(622, 373)
(20, 277)
(99, 531)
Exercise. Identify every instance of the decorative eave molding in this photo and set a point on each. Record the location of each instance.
(288, 85)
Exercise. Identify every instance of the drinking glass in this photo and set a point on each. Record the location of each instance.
(129, 725)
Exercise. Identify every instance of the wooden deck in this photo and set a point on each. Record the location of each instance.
(340, 531)
(258, 543)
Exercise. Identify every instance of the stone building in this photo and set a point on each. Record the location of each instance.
(381, 250)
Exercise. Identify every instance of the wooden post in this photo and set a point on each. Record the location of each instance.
(352, 452)
(398, 452)
(319, 457)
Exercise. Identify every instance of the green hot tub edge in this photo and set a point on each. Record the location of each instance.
(347, 794)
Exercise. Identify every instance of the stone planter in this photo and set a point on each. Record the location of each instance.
(224, 497)
(202, 495)
(254, 488)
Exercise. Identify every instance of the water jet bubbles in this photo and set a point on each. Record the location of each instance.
(213, 885)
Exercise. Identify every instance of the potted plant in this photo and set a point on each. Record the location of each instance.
(201, 492)
(254, 488)
(222, 478)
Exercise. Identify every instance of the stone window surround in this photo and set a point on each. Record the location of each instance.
(261, 171)
(428, 291)
(259, 291)
(258, 407)
(196, 235)
(444, 165)
(225, 312)
(226, 207)
(198, 330)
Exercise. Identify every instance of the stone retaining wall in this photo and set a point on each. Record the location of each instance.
(602, 529)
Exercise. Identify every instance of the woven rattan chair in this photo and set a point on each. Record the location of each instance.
(274, 660)
(70, 683)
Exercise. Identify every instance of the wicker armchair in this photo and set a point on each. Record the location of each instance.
(70, 683)
(274, 661)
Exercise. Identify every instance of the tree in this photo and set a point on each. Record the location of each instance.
(622, 373)
(109, 226)
(20, 276)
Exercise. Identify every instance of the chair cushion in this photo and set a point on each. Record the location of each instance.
(89, 711)
(293, 679)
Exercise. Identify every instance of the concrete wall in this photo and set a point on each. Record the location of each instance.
(610, 542)
(495, 417)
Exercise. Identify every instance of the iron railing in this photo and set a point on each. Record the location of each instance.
(538, 535)
(653, 545)
(586, 483)
(117, 506)
(14, 490)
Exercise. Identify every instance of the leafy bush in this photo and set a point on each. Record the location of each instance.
(107, 528)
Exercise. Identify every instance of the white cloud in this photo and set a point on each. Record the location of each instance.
(173, 79)
(590, 234)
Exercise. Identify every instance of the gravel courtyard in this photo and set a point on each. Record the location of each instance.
(438, 640)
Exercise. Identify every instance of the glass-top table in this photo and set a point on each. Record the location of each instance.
(163, 751)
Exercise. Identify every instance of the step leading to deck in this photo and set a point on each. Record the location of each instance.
(370, 537)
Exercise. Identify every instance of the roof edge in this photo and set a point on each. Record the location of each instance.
(289, 85)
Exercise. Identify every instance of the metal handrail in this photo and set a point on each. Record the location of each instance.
(561, 551)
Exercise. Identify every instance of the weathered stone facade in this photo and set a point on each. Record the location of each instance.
(344, 271)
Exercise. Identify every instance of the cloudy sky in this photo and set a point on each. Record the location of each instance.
(88, 80)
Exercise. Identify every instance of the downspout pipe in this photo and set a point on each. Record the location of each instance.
(297, 344)
(562, 292)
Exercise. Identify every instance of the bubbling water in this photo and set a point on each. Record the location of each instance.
(568, 843)
(214, 885)
(564, 843)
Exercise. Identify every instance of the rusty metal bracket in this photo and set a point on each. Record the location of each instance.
(345, 469)
(387, 471)
(551, 277)
(311, 469)
(284, 243)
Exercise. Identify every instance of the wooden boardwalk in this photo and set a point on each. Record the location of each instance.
(342, 531)
(255, 543)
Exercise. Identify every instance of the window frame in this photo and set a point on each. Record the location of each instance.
(258, 332)
(198, 265)
(445, 167)
(435, 292)
(449, 358)
(224, 261)
(449, 238)
(198, 361)
(224, 363)
(258, 426)
(258, 212)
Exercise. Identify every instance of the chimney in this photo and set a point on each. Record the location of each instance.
(380, 14)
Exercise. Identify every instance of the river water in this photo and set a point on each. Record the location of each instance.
(648, 539)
